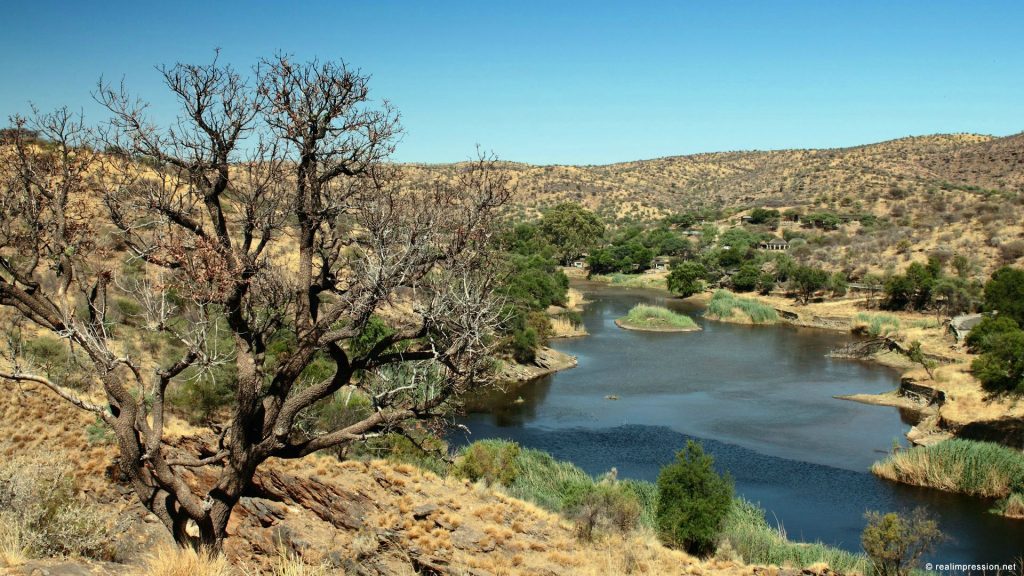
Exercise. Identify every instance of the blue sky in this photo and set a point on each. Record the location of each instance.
(569, 82)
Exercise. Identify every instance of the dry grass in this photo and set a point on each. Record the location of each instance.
(13, 551)
(169, 560)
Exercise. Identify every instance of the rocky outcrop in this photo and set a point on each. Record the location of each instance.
(547, 361)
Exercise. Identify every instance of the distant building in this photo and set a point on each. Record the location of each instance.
(660, 263)
(775, 245)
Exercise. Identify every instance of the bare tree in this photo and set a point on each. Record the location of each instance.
(267, 212)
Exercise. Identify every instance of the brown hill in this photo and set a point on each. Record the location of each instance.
(958, 193)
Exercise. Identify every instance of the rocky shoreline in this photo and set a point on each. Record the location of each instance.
(547, 361)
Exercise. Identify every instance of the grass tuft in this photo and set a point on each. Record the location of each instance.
(877, 325)
(170, 560)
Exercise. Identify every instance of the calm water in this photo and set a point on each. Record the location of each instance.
(761, 401)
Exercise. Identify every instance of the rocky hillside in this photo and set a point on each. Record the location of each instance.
(958, 193)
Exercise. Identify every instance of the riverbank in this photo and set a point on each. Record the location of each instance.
(547, 361)
(746, 537)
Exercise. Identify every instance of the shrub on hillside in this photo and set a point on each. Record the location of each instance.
(1011, 251)
(40, 514)
(693, 501)
(605, 506)
(493, 461)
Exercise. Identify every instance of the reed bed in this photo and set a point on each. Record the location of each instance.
(725, 305)
(644, 316)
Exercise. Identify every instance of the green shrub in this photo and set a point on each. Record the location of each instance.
(523, 345)
(1002, 370)
(693, 501)
(686, 278)
(127, 309)
(200, 397)
(493, 461)
(894, 543)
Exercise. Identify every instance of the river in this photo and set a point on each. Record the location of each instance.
(760, 399)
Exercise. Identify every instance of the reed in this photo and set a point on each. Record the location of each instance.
(725, 305)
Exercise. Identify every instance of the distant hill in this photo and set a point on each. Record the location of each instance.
(952, 193)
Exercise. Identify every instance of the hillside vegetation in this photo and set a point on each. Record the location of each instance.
(959, 193)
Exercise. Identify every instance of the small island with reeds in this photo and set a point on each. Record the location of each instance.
(648, 318)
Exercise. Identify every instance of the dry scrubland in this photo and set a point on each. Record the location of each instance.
(323, 516)
(959, 193)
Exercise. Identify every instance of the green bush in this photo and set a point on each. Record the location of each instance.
(523, 345)
(686, 278)
(746, 278)
(493, 461)
(200, 397)
(693, 501)
(894, 543)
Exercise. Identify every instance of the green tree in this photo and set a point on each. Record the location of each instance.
(979, 339)
(823, 220)
(693, 501)
(1004, 293)
(911, 290)
(917, 355)
(572, 229)
(1001, 368)
(747, 277)
(765, 216)
(807, 280)
(873, 283)
(895, 543)
(686, 278)
(838, 284)
(765, 283)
